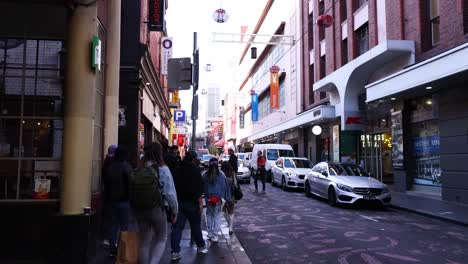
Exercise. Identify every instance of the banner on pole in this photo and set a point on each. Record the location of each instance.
(274, 87)
(254, 107)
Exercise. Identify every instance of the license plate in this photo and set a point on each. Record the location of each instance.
(369, 197)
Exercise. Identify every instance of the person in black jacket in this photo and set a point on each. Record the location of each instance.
(116, 185)
(188, 183)
(233, 160)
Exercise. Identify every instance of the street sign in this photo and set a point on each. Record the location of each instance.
(179, 115)
(166, 54)
(179, 74)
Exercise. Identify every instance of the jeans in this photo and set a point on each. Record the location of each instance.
(120, 219)
(213, 218)
(188, 210)
(152, 227)
(261, 175)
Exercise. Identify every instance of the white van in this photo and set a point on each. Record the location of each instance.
(271, 152)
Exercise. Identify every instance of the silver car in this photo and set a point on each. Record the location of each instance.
(289, 172)
(344, 183)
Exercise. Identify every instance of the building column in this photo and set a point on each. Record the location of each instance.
(111, 111)
(80, 85)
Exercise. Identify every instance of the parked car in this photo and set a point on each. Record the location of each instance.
(248, 159)
(271, 152)
(241, 156)
(345, 183)
(243, 172)
(290, 172)
(206, 159)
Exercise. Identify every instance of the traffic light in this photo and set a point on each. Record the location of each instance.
(179, 74)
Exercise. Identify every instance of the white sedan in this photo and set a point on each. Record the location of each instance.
(243, 172)
(289, 172)
(345, 183)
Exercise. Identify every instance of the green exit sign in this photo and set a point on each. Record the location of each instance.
(96, 54)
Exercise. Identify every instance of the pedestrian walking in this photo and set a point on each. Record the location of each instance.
(106, 222)
(233, 160)
(188, 182)
(231, 178)
(172, 159)
(216, 188)
(261, 171)
(153, 190)
(115, 178)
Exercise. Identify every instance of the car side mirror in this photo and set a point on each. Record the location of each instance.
(324, 173)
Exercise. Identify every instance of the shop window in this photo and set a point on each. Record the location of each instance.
(31, 118)
(362, 39)
(425, 140)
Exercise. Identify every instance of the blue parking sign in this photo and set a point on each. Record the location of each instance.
(179, 115)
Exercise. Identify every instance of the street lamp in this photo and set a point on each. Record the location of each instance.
(316, 130)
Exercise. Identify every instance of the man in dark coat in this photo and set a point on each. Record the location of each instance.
(233, 160)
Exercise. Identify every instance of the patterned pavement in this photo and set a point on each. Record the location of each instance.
(287, 227)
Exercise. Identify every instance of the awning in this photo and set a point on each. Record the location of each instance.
(438, 67)
(312, 116)
(220, 143)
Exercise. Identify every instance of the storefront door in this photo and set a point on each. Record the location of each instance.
(375, 155)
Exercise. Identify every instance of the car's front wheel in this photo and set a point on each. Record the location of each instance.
(284, 186)
(332, 197)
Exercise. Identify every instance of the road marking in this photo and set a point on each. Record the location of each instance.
(369, 218)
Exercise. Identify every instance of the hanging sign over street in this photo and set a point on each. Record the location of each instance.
(274, 87)
(166, 48)
(156, 15)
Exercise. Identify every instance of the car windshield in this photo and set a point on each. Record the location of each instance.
(274, 154)
(302, 164)
(241, 156)
(208, 157)
(347, 170)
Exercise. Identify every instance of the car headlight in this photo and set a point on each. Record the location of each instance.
(291, 174)
(344, 187)
(385, 190)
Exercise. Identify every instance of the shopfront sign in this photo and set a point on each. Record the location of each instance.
(96, 54)
(254, 105)
(166, 53)
(274, 87)
(241, 117)
(423, 146)
(156, 15)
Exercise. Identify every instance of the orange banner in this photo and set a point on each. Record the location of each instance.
(274, 88)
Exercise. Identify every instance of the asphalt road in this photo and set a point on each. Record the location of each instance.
(287, 227)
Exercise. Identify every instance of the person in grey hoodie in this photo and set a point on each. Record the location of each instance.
(216, 188)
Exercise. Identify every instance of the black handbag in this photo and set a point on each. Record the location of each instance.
(237, 192)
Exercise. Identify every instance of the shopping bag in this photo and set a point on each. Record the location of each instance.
(127, 252)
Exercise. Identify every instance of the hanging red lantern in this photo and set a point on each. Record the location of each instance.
(324, 20)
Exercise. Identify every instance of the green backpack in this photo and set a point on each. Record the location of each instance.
(145, 189)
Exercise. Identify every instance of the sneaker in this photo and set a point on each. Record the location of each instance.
(204, 250)
(175, 256)
(214, 238)
(231, 232)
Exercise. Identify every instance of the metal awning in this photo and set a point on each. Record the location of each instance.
(441, 66)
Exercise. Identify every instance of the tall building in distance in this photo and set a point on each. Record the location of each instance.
(214, 103)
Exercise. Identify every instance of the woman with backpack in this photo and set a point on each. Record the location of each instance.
(148, 207)
(226, 168)
(216, 188)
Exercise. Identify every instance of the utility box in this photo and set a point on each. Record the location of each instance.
(179, 74)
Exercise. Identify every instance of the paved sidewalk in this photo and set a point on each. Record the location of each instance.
(227, 250)
(443, 210)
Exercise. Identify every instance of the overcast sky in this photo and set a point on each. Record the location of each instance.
(184, 17)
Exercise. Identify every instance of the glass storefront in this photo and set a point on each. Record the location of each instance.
(376, 155)
(31, 118)
(425, 140)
